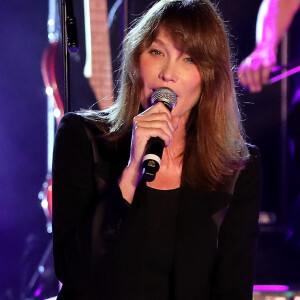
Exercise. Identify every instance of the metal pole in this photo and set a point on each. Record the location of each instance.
(284, 112)
(69, 44)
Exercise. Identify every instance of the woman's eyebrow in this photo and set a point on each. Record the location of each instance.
(160, 42)
(163, 44)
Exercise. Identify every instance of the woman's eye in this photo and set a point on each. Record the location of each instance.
(155, 52)
(189, 60)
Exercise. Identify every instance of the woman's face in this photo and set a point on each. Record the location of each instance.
(163, 65)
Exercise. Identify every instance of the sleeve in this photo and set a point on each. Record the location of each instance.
(84, 221)
(238, 234)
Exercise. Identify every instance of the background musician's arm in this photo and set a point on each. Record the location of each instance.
(273, 20)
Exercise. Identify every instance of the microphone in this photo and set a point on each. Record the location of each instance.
(155, 146)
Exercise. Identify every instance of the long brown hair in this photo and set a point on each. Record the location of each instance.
(215, 147)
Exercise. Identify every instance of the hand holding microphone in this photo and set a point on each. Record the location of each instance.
(155, 145)
(152, 130)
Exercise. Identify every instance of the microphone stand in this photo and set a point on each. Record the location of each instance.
(69, 45)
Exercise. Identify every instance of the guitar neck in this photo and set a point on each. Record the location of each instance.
(98, 65)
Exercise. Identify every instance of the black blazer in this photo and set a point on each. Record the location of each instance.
(89, 213)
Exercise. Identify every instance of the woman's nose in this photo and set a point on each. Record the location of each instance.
(168, 71)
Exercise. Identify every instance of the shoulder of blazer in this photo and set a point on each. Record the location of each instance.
(109, 157)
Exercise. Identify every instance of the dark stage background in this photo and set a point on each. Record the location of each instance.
(23, 237)
(23, 26)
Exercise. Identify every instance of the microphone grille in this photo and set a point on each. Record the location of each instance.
(165, 95)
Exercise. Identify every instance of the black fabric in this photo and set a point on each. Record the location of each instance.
(166, 245)
(144, 254)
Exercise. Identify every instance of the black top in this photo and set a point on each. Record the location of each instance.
(144, 258)
(178, 244)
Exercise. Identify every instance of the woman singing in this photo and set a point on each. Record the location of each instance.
(190, 233)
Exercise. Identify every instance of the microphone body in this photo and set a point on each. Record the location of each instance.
(155, 146)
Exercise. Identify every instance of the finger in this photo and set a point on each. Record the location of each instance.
(163, 117)
(159, 107)
(242, 74)
(265, 74)
(155, 128)
(157, 123)
(243, 79)
(141, 136)
(246, 76)
(256, 81)
(251, 79)
(244, 71)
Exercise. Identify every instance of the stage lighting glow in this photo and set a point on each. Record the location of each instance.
(51, 36)
(51, 22)
(39, 290)
(44, 204)
(49, 91)
(271, 288)
(41, 195)
(56, 112)
(49, 227)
